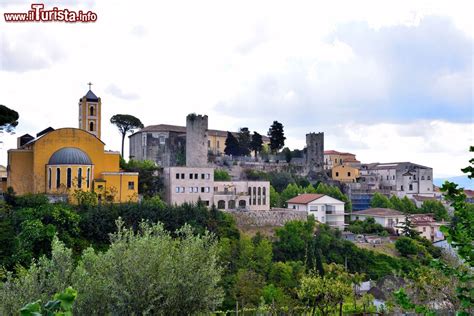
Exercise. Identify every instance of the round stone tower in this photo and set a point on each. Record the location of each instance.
(196, 140)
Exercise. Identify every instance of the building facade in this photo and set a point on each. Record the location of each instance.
(59, 162)
(242, 195)
(388, 218)
(333, 158)
(345, 173)
(324, 208)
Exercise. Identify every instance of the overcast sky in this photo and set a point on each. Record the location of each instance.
(386, 80)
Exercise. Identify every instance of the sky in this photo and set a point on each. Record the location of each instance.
(386, 80)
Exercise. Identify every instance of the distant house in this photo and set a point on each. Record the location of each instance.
(325, 209)
(387, 217)
(427, 226)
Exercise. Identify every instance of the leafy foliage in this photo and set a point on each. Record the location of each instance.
(256, 143)
(8, 119)
(125, 123)
(277, 136)
(149, 181)
(367, 226)
(231, 145)
(221, 175)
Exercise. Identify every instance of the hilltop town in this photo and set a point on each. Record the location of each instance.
(281, 217)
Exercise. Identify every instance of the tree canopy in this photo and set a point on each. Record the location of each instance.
(256, 143)
(232, 147)
(125, 123)
(277, 136)
(8, 119)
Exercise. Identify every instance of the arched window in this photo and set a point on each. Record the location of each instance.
(231, 204)
(49, 178)
(79, 178)
(69, 178)
(264, 191)
(91, 111)
(254, 190)
(221, 204)
(242, 204)
(58, 178)
(259, 191)
(88, 179)
(91, 126)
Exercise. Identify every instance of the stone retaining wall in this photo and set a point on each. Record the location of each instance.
(275, 217)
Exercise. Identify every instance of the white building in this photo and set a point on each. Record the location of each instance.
(324, 208)
(426, 225)
(386, 217)
(398, 178)
(189, 184)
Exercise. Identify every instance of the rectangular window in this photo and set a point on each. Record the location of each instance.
(69, 178)
(203, 176)
(79, 178)
(428, 177)
(410, 187)
(88, 178)
(182, 176)
(182, 189)
(131, 185)
(208, 189)
(162, 140)
(393, 177)
(209, 143)
(422, 177)
(208, 176)
(177, 176)
(177, 190)
(196, 189)
(190, 176)
(196, 176)
(218, 144)
(191, 190)
(49, 178)
(387, 177)
(337, 174)
(202, 189)
(348, 174)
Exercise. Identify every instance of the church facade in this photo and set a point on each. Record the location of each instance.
(62, 161)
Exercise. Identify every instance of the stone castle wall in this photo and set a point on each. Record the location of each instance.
(315, 152)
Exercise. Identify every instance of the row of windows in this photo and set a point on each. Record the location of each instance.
(69, 178)
(192, 190)
(414, 177)
(195, 176)
(348, 174)
(209, 144)
(257, 191)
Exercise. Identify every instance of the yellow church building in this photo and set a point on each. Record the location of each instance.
(62, 161)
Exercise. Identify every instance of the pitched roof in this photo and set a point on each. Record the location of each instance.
(305, 198)
(422, 198)
(382, 212)
(90, 96)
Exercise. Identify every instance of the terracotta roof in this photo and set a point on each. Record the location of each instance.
(422, 219)
(331, 152)
(305, 198)
(469, 193)
(383, 212)
(421, 198)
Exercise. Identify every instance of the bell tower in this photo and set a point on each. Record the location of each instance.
(90, 113)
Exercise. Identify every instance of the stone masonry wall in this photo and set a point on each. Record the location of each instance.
(196, 140)
(267, 218)
(315, 151)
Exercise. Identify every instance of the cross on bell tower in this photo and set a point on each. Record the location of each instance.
(90, 112)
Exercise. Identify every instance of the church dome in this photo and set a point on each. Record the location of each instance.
(70, 156)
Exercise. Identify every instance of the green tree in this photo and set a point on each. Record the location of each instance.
(125, 123)
(294, 240)
(435, 207)
(244, 140)
(248, 288)
(380, 200)
(280, 180)
(290, 191)
(61, 305)
(277, 136)
(149, 181)
(232, 147)
(221, 175)
(287, 153)
(407, 246)
(275, 200)
(257, 143)
(8, 119)
(328, 292)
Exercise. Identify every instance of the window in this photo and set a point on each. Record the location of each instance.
(387, 177)
(428, 177)
(49, 178)
(177, 190)
(422, 177)
(208, 176)
(181, 190)
(209, 143)
(182, 176)
(250, 191)
(259, 191)
(259, 201)
(208, 189)
(401, 188)
(79, 178)
(348, 174)
(191, 189)
(88, 178)
(264, 191)
(202, 189)
(91, 126)
(254, 201)
(264, 201)
(414, 177)
(177, 176)
(131, 185)
(218, 145)
(91, 111)
(162, 140)
(196, 176)
(393, 177)
(69, 177)
(203, 176)
(410, 187)
(190, 176)
(221, 204)
(254, 191)
(337, 174)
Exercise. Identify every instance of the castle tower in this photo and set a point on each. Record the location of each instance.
(196, 140)
(90, 113)
(315, 151)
